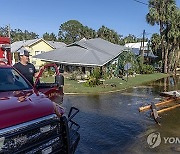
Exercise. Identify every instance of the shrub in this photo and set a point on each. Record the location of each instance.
(92, 82)
(76, 75)
(72, 76)
(94, 78)
(131, 71)
(147, 69)
(106, 75)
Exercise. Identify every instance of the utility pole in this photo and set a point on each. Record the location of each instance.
(142, 47)
(148, 51)
(9, 31)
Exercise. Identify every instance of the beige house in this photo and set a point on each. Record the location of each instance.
(35, 47)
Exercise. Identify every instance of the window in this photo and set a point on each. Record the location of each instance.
(10, 80)
(39, 52)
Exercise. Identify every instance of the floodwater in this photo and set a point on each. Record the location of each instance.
(112, 124)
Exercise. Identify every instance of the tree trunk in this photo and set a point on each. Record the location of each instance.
(162, 43)
(165, 84)
(165, 60)
(166, 50)
(174, 46)
(176, 55)
(170, 61)
(177, 60)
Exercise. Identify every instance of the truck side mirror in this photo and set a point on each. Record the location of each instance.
(59, 79)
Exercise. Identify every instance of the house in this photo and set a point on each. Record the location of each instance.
(35, 47)
(137, 47)
(84, 54)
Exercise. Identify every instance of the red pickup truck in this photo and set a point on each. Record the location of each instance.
(31, 120)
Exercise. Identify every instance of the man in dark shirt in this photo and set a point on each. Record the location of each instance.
(24, 67)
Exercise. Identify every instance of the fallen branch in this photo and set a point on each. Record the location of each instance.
(145, 108)
(169, 108)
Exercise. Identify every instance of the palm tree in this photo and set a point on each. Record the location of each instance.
(173, 35)
(159, 11)
(155, 44)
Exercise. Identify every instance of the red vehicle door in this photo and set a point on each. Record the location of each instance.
(52, 86)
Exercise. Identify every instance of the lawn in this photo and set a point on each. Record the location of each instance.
(115, 84)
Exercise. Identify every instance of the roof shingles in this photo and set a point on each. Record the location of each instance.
(93, 52)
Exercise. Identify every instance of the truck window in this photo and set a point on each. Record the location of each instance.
(10, 80)
(48, 75)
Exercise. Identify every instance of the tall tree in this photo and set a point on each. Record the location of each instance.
(109, 35)
(70, 31)
(88, 33)
(159, 11)
(156, 44)
(173, 37)
(49, 37)
(19, 35)
(4, 31)
(131, 39)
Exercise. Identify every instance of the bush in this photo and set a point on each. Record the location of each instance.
(92, 82)
(96, 73)
(76, 75)
(106, 76)
(147, 69)
(131, 72)
(94, 78)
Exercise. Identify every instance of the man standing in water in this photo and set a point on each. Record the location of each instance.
(24, 67)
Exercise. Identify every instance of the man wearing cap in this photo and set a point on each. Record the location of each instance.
(24, 67)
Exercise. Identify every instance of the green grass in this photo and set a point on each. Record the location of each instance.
(72, 86)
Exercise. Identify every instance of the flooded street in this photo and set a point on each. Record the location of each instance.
(111, 123)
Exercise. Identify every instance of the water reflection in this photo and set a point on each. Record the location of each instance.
(167, 84)
(111, 123)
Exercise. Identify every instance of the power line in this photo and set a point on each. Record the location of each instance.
(140, 2)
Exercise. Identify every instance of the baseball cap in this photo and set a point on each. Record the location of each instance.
(23, 52)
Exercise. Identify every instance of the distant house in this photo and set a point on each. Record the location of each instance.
(138, 47)
(35, 47)
(84, 54)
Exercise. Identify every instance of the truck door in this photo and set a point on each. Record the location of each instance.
(50, 82)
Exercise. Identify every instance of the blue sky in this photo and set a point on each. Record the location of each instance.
(40, 16)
